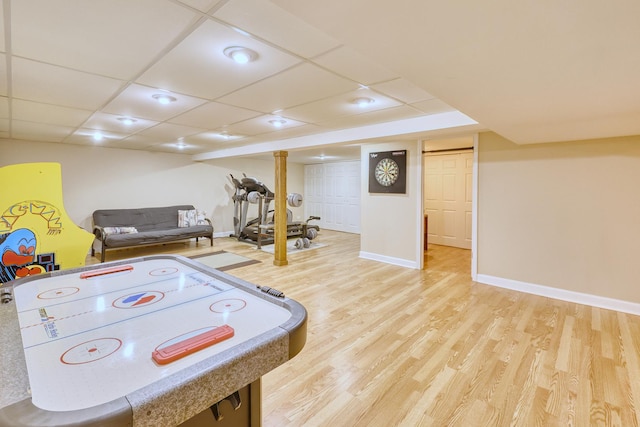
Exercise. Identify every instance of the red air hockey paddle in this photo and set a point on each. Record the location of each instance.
(183, 348)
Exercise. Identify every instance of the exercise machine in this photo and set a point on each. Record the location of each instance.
(260, 230)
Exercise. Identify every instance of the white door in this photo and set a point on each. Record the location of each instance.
(332, 192)
(448, 180)
(313, 192)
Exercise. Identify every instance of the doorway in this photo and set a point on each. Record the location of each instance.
(448, 193)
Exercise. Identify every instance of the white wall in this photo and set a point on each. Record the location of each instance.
(391, 224)
(564, 216)
(107, 178)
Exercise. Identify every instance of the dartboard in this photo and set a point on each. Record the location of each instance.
(387, 172)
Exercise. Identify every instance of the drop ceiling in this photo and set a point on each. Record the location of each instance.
(532, 71)
(71, 70)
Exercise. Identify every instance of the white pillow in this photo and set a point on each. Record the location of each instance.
(187, 218)
(120, 230)
(201, 218)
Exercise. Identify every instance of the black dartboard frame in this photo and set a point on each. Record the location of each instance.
(388, 172)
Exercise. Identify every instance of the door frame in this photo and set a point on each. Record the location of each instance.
(474, 211)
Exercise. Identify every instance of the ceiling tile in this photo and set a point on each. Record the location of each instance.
(4, 128)
(432, 106)
(87, 136)
(137, 101)
(198, 66)
(289, 89)
(141, 142)
(112, 123)
(212, 138)
(260, 125)
(39, 131)
(36, 81)
(202, 5)
(351, 64)
(213, 115)
(403, 90)
(137, 142)
(46, 113)
(116, 38)
(165, 132)
(339, 106)
(292, 132)
(184, 148)
(374, 117)
(269, 22)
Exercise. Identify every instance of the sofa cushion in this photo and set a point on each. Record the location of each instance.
(143, 219)
(156, 236)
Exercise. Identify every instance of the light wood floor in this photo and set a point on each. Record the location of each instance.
(391, 346)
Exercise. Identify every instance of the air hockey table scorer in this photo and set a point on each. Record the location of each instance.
(146, 341)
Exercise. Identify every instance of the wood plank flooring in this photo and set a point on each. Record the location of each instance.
(390, 346)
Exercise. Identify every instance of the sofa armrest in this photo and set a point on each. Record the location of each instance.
(98, 231)
(211, 225)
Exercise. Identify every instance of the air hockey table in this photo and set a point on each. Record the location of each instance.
(150, 341)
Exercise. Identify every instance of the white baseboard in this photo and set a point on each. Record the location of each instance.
(389, 260)
(222, 234)
(561, 294)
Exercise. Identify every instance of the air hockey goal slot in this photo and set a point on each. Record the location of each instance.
(105, 271)
(191, 345)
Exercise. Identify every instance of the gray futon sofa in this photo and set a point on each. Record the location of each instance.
(119, 228)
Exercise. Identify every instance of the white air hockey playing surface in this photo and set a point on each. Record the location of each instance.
(79, 354)
(89, 337)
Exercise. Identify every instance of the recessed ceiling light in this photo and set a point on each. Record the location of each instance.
(97, 136)
(127, 120)
(164, 98)
(277, 122)
(362, 101)
(240, 55)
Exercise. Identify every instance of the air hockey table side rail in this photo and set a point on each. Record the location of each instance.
(169, 400)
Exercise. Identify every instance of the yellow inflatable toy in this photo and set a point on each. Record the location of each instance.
(36, 234)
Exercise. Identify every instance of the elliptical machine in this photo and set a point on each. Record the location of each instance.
(260, 230)
(249, 190)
